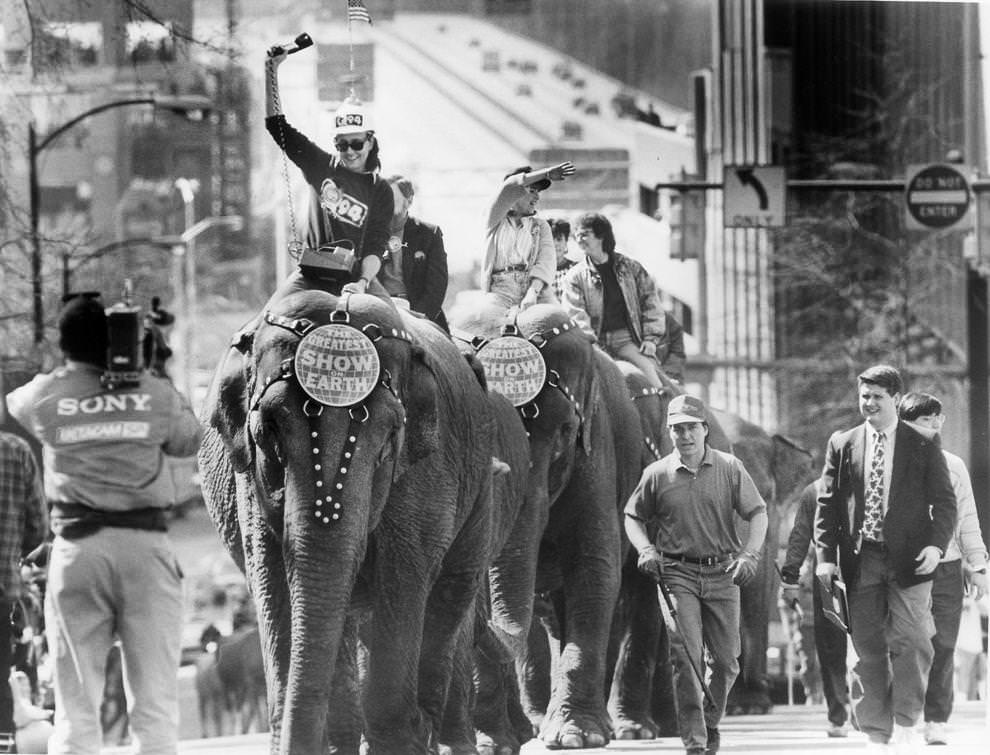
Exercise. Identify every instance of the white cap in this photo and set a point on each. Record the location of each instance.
(351, 118)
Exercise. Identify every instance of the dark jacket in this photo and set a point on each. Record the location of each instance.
(921, 504)
(424, 268)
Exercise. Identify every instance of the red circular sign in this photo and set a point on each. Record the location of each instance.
(337, 365)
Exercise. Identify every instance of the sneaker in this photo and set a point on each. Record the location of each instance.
(838, 731)
(904, 740)
(714, 741)
(935, 733)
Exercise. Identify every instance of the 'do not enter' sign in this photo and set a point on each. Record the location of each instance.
(936, 196)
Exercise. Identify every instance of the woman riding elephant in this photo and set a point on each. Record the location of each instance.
(347, 467)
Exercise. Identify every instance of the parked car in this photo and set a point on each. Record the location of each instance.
(524, 90)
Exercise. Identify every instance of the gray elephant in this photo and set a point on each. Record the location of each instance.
(347, 467)
(584, 442)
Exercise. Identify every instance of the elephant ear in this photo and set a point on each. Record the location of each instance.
(422, 431)
(229, 401)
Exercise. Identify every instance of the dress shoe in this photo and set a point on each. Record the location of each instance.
(838, 732)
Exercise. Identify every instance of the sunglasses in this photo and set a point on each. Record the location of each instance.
(343, 145)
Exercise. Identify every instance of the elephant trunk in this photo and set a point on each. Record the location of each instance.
(512, 576)
(322, 562)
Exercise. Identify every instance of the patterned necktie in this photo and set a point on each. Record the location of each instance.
(873, 517)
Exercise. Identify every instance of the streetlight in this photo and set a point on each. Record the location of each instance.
(184, 271)
(183, 105)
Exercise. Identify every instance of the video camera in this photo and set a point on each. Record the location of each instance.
(131, 348)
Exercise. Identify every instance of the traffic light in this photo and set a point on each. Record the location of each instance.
(687, 224)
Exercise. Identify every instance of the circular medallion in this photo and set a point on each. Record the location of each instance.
(394, 244)
(329, 196)
(337, 365)
(513, 367)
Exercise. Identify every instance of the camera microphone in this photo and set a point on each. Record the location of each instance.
(299, 43)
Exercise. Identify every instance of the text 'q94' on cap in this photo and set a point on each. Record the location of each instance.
(351, 118)
(686, 408)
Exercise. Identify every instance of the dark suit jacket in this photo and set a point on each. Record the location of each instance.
(921, 508)
(424, 268)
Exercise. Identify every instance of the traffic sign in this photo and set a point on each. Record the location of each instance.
(936, 196)
(753, 196)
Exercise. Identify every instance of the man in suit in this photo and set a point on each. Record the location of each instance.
(415, 268)
(885, 516)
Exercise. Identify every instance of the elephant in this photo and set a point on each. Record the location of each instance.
(583, 464)
(347, 466)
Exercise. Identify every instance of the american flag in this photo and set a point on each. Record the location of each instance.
(357, 12)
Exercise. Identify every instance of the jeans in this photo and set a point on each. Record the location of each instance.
(619, 344)
(707, 604)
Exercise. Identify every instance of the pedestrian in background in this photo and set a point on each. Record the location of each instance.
(923, 412)
(821, 640)
(112, 571)
(23, 526)
(885, 516)
(690, 498)
(612, 298)
(415, 266)
(520, 261)
(561, 231)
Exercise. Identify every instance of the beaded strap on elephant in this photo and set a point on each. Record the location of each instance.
(327, 508)
(646, 392)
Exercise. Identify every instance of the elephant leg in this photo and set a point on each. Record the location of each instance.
(394, 722)
(497, 691)
(450, 609)
(588, 548)
(345, 721)
(456, 731)
(534, 668)
(636, 658)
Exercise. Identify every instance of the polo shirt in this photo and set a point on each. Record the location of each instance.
(693, 513)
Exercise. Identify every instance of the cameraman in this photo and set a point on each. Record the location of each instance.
(112, 571)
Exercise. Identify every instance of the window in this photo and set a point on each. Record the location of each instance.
(148, 42)
(63, 44)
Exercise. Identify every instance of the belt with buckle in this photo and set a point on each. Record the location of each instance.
(699, 560)
(511, 269)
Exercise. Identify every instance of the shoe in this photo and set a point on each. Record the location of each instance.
(714, 741)
(838, 732)
(878, 748)
(904, 740)
(935, 733)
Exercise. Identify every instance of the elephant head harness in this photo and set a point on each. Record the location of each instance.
(327, 508)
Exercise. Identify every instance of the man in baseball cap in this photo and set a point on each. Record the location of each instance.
(685, 408)
(690, 499)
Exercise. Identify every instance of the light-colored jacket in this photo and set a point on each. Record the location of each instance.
(542, 259)
(584, 300)
(968, 540)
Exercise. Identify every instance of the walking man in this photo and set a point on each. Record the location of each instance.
(826, 642)
(885, 516)
(924, 413)
(689, 499)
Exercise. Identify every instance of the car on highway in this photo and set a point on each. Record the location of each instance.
(524, 90)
